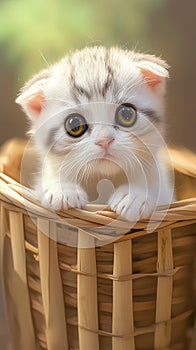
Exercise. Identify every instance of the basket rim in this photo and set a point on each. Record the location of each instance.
(15, 195)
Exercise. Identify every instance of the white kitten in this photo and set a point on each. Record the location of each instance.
(98, 114)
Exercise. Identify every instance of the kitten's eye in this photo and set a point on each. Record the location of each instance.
(126, 115)
(75, 125)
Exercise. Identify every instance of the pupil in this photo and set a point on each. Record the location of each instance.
(75, 124)
(126, 113)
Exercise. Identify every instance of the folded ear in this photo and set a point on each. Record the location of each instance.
(32, 96)
(154, 74)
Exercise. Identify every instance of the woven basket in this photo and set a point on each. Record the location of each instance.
(132, 294)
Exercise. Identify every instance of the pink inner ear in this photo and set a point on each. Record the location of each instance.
(36, 103)
(151, 78)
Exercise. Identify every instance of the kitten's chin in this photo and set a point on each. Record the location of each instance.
(104, 166)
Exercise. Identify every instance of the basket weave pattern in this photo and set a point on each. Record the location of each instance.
(131, 294)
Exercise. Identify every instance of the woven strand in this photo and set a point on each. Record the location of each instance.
(24, 317)
(164, 290)
(183, 210)
(52, 294)
(87, 293)
(170, 273)
(136, 332)
(123, 298)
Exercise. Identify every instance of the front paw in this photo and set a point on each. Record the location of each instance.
(58, 197)
(132, 205)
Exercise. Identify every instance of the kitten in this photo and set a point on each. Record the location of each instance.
(98, 113)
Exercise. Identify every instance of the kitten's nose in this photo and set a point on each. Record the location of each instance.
(105, 143)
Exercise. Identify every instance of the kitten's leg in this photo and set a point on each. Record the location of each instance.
(56, 196)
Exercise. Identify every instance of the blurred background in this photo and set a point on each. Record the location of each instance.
(33, 33)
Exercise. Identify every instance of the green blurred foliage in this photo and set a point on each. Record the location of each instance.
(33, 31)
(30, 28)
(126, 22)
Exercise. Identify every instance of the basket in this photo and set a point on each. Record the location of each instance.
(133, 293)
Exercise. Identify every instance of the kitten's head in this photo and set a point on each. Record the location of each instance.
(98, 109)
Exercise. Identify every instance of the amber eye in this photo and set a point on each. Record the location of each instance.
(126, 115)
(75, 125)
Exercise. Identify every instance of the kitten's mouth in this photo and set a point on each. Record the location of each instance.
(107, 165)
(107, 157)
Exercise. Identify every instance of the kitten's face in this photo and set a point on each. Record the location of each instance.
(98, 110)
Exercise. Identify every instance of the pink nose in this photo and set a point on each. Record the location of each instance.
(105, 143)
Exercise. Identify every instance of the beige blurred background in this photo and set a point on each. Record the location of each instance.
(33, 32)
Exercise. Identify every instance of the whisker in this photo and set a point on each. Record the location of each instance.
(44, 58)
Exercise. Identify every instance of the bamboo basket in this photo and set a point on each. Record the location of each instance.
(133, 293)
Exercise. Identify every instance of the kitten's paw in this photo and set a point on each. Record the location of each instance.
(132, 205)
(58, 197)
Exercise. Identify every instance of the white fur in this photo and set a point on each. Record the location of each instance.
(133, 157)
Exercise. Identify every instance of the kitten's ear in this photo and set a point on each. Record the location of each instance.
(154, 74)
(32, 96)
